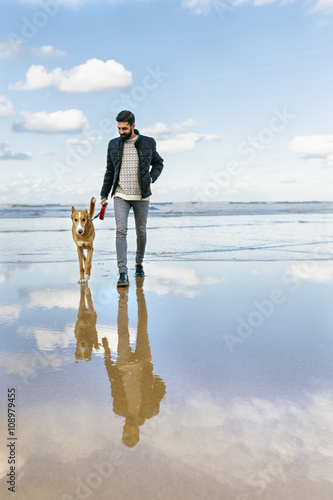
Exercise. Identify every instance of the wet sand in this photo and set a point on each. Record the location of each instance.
(205, 380)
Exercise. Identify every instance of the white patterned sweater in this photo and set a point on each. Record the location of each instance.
(128, 185)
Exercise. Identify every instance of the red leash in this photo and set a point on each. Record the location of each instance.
(101, 214)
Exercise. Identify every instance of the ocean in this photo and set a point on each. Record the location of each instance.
(222, 231)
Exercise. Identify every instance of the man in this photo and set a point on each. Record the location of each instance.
(128, 176)
(136, 391)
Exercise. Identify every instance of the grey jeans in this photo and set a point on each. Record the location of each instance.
(121, 211)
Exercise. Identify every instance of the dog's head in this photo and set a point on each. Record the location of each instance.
(80, 219)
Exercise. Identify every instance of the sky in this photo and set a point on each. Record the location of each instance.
(236, 93)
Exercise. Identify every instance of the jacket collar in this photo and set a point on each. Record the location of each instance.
(137, 142)
(136, 132)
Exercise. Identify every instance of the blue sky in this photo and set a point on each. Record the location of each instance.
(237, 94)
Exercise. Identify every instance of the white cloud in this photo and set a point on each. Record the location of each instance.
(74, 141)
(258, 3)
(83, 145)
(314, 147)
(77, 443)
(312, 144)
(46, 152)
(158, 131)
(321, 271)
(21, 184)
(325, 6)
(169, 143)
(6, 106)
(73, 4)
(200, 7)
(61, 3)
(329, 160)
(221, 7)
(11, 49)
(177, 280)
(7, 154)
(37, 77)
(93, 76)
(70, 3)
(163, 131)
(70, 120)
(15, 49)
(46, 51)
(247, 436)
(260, 445)
(186, 124)
(9, 312)
(48, 299)
(26, 185)
(185, 142)
(29, 364)
(48, 340)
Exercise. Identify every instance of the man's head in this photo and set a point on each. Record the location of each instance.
(126, 125)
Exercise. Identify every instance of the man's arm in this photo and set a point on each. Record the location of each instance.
(157, 164)
(108, 178)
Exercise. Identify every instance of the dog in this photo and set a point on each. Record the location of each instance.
(83, 235)
(85, 327)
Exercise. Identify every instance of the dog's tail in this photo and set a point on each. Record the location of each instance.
(92, 207)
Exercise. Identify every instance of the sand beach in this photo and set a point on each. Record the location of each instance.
(209, 378)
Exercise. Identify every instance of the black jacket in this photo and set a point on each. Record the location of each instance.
(148, 156)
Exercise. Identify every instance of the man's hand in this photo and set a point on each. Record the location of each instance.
(104, 202)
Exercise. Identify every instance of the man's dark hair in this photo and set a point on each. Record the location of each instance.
(126, 116)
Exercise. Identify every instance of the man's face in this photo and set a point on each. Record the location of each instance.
(125, 130)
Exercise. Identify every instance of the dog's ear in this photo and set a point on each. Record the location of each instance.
(73, 209)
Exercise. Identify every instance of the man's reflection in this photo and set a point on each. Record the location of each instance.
(85, 327)
(136, 392)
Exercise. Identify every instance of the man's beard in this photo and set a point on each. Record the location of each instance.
(125, 137)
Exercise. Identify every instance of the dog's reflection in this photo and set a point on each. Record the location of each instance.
(85, 327)
(136, 391)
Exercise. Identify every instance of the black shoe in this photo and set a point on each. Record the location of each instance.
(139, 270)
(123, 280)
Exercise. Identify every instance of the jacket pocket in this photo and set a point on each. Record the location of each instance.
(145, 154)
(115, 154)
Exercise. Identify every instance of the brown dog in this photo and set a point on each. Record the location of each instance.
(85, 328)
(83, 234)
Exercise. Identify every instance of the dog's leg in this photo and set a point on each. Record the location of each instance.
(81, 264)
(82, 305)
(93, 318)
(88, 263)
(89, 298)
